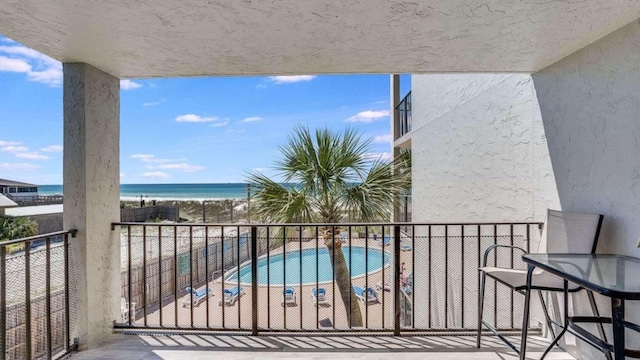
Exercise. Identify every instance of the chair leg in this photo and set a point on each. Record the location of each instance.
(525, 315)
(546, 314)
(594, 309)
(481, 306)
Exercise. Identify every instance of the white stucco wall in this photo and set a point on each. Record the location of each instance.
(478, 155)
(478, 149)
(590, 106)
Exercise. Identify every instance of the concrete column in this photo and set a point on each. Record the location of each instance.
(394, 92)
(92, 195)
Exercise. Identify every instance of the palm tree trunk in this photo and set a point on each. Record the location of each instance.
(342, 279)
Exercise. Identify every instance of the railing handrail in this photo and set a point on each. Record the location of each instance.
(369, 224)
(403, 99)
(38, 237)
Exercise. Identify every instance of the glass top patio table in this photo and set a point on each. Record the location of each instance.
(616, 276)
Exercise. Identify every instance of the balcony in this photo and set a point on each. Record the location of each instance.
(423, 286)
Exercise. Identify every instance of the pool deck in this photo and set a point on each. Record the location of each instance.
(303, 315)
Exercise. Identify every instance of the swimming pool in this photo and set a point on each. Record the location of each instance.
(275, 267)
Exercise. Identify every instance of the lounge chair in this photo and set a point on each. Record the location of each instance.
(288, 296)
(405, 247)
(385, 241)
(319, 296)
(386, 286)
(366, 296)
(231, 295)
(198, 296)
(124, 310)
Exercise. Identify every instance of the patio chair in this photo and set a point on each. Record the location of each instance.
(230, 296)
(319, 296)
(405, 247)
(124, 310)
(288, 296)
(384, 285)
(385, 241)
(366, 296)
(194, 297)
(563, 232)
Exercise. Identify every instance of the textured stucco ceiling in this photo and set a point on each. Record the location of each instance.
(151, 38)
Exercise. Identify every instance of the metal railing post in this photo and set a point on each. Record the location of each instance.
(254, 280)
(396, 283)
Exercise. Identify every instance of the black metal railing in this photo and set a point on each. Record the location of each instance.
(261, 277)
(403, 116)
(36, 292)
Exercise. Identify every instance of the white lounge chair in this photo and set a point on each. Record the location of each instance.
(288, 296)
(124, 310)
(198, 296)
(230, 296)
(366, 296)
(319, 296)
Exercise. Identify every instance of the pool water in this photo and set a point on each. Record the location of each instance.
(283, 269)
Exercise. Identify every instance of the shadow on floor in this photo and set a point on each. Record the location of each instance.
(235, 347)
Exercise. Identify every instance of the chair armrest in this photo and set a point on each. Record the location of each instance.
(493, 247)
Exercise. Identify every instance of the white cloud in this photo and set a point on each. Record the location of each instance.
(182, 167)
(251, 119)
(377, 156)
(368, 116)
(224, 123)
(52, 148)
(122, 175)
(14, 149)
(153, 103)
(18, 166)
(261, 86)
(195, 118)
(34, 155)
(37, 66)
(150, 158)
(386, 138)
(291, 79)
(143, 157)
(14, 65)
(8, 143)
(155, 175)
(129, 85)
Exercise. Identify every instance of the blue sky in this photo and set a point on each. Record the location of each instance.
(183, 130)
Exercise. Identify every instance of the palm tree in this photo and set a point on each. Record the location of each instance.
(334, 175)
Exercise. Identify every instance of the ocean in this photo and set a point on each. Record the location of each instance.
(169, 191)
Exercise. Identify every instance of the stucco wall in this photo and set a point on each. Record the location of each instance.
(92, 196)
(478, 150)
(478, 155)
(590, 106)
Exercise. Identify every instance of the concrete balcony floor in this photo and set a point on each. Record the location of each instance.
(321, 347)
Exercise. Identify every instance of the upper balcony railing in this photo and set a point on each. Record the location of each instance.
(403, 116)
(260, 278)
(36, 297)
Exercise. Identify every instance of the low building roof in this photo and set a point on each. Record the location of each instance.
(35, 210)
(5, 202)
(5, 182)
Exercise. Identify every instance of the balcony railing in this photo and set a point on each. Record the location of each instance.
(261, 278)
(36, 297)
(403, 116)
